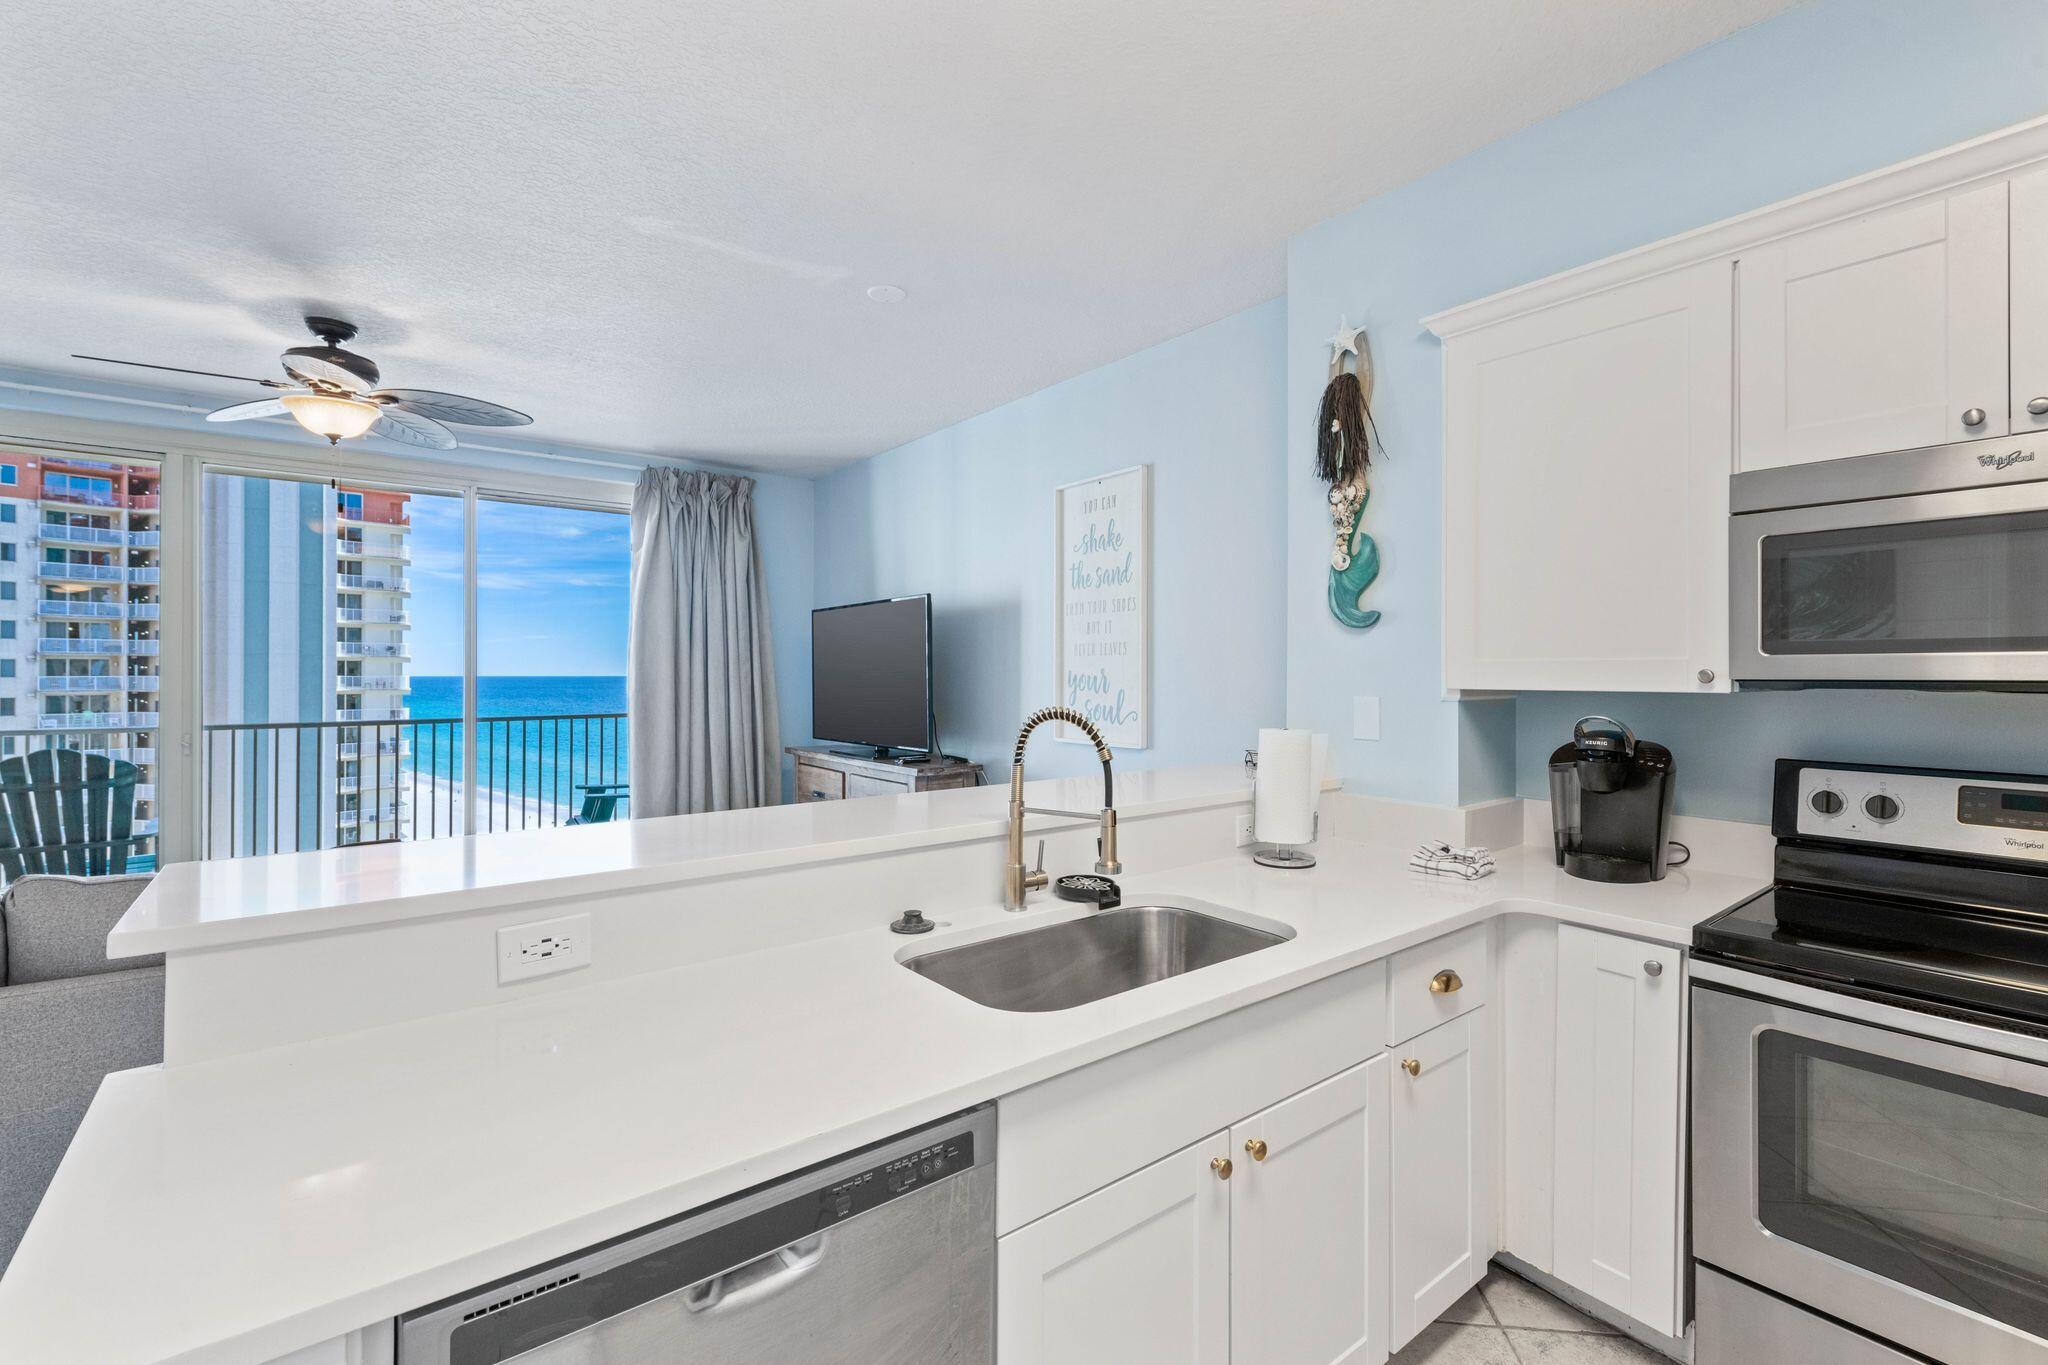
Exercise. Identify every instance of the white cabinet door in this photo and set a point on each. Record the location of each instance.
(1442, 1113)
(1587, 454)
(2030, 302)
(1137, 1273)
(1885, 332)
(1308, 1226)
(1619, 1049)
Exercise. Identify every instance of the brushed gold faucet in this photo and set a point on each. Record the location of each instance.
(1017, 882)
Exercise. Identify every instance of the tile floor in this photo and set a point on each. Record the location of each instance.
(1508, 1321)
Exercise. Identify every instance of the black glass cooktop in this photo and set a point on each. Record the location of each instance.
(1967, 959)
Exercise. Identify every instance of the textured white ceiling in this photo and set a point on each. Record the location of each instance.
(652, 225)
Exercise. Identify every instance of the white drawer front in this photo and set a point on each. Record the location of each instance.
(1419, 994)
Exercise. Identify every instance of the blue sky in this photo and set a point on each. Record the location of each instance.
(551, 588)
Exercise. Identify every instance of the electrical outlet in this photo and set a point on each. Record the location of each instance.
(1245, 832)
(543, 948)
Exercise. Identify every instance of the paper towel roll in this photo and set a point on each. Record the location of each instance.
(1283, 793)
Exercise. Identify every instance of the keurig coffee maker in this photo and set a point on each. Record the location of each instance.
(1610, 803)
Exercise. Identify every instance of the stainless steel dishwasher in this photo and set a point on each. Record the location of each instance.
(885, 1256)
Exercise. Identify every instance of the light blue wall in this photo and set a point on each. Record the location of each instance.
(966, 515)
(1826, 91)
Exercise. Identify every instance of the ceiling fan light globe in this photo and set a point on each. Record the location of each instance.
(325, 415)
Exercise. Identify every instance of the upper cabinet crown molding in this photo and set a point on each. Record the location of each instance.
(1997, 154)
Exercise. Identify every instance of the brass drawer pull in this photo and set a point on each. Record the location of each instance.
(1220, 1165)
(1256, 1149)
(1412, 1067)
(1446, 983)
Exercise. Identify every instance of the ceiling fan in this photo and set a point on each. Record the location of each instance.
(334, 393)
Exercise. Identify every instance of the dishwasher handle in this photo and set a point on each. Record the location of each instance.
(731, 1290)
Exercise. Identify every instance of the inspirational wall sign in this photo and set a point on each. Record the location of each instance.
(1102, 529)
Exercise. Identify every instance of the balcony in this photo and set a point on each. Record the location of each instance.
(81, 497)
(135, 645)
(142, 682)
(144, 502)
(61, 607)
(396, 551)
(372, 616)
(146, 573)
(79, 573)
(372, 582)
(66, 645)
(98, 537)
(368, 649)
(145, 611)
(78, 682)
(352, 682)
(97, 720)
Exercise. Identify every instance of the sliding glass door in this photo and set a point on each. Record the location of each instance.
(345, 690)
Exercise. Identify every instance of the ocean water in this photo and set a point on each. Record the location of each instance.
(533, 748)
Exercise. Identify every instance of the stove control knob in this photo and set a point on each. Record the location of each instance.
(1826, 801)
(1881, 808)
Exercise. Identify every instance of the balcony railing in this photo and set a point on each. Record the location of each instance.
(145, 611)
(88, 573)
(281, 788)
(145, 540)
(57, 534)
(397, 551)
(372, 582)
(373, 616)
(356, 682)
(66, 682)
(98, 720)
(68, 607)
(83, 497)
(50, 644)
(368, 649)
(140, 646)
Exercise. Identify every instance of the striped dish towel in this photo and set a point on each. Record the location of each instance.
(1440, 859)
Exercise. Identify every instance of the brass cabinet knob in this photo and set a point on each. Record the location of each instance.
(1220, 1165)
(1256, 1149)
(1445, 983)
(1412, 1067)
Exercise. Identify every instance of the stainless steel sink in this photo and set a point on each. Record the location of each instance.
(1099, 955)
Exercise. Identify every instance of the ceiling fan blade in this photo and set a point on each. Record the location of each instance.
(451, 407)
(242, 412)
(210, 374)
(407, 428)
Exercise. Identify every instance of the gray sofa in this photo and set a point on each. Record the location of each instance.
(68, 1016)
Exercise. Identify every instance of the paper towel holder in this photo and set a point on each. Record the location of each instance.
(1286, 855)
(1283, 855)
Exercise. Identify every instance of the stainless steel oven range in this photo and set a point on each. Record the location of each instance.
(1918, 566)
(1870, 1078)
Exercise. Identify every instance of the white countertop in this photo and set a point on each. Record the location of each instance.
(238, 1209)
(235, 900)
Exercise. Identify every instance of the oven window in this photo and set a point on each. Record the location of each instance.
(1964, 585)
(1934, 1181)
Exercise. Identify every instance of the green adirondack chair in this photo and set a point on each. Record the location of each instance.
(600, 802)
(68, 812)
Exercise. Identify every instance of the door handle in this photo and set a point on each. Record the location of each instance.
(731, 1290)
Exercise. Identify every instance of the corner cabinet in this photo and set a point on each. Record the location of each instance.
(1587, 452)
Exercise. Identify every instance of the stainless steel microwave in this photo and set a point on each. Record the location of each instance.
(1925, 567)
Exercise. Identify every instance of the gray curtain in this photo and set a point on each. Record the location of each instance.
(701, 681)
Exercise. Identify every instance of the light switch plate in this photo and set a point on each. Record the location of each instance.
(543, 948)
(1365, 717)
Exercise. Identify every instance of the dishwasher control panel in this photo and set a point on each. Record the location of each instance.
(882, 1183)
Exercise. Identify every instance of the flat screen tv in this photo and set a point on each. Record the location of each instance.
(871, 674)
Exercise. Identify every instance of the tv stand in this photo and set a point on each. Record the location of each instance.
(834, 775)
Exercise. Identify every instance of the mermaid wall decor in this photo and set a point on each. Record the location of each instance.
(1345, 435)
